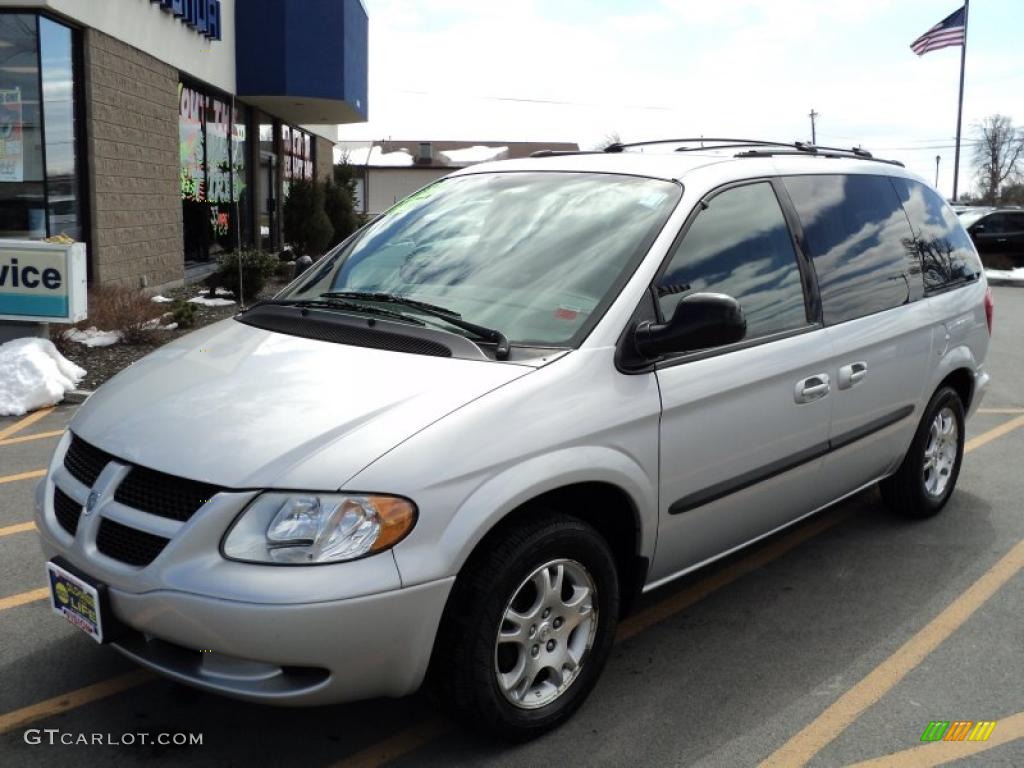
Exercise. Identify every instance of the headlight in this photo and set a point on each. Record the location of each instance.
(308, 528)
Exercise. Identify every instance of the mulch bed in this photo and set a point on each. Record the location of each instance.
(101, 363)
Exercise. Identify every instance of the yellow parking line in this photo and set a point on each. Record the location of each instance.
(10, 530)
(393, 747)
(28, 421)
(942, 752)
(23, 598)
(992, 434)
(62, 703)
(22, 476)
(27, 438)
(823, 729)
(1000, 410)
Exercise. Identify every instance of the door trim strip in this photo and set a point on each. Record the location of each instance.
(785, 464)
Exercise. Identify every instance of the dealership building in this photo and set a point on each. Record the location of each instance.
(163, 132)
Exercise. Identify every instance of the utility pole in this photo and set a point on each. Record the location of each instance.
(814, 132)
(937, 159)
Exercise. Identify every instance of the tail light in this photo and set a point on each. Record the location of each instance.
(989, 309)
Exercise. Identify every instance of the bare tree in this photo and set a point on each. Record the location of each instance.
(998, 154)
(609, 140)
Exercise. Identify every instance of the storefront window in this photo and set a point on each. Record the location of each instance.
(214, 177)
(62, 203)
(22, 189)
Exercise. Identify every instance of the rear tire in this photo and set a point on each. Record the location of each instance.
(528, 627)
(926, 478)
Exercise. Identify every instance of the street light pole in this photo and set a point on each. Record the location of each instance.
(937, 159)
(814, 132)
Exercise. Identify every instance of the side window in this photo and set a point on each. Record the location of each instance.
(994, 224)
(1016, 223)
(947, 255)
(741, 246)
(863, 249)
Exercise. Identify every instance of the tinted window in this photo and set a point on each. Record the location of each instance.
(740, 246)
(994, 224)
(861, 243)
(946, 252)
(1016, 223)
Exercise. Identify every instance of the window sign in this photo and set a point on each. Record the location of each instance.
(192, 104)
(42, 282)
(218, 155)
(12, 166)
(298, 153)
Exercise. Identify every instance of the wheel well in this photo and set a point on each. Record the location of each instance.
(962, 381)
(606, 508)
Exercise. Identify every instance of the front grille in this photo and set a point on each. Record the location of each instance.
(128, 544)
(165, 495)
(66, 510)
(85, 462)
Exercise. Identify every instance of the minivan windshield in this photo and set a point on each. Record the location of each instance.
(534, 256)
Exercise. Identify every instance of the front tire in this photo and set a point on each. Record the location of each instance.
(926, 478)
(528, 627)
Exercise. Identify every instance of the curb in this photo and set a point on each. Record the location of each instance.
(76, 396)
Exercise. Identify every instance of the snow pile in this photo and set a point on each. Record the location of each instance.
(224, 292)
(1005, 275)
(160, 299)
(474, 154)
(92, 337)
(206, 302)
(379, 158)
(33, 374)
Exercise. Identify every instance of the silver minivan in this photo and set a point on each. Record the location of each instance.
(456, 448)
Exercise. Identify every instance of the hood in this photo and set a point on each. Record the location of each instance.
(242, 407)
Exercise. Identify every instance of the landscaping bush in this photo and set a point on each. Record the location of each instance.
(306, 226)
(256, 266)
(124, 309)
(184, 314)
(340, 209)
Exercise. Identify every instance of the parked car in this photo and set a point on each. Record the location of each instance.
(998, 234)
(457, 448)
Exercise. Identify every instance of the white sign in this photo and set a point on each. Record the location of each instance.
(42, 282)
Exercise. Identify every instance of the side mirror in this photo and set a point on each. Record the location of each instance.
(700, 321)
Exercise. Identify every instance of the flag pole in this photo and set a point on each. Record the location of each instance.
(960, 107)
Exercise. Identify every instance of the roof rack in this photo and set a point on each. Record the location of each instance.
(758, 148)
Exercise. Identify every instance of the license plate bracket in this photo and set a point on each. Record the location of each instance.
(82, 601)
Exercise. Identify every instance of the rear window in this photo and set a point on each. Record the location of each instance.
(862, 246)
(947, 255)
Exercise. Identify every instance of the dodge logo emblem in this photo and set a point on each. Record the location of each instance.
(91, 502)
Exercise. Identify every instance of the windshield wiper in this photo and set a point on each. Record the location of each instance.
(450, 316)
(330, 303)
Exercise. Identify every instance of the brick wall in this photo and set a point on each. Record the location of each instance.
(324, 159)
(131, 104)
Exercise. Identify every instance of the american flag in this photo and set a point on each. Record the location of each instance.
(950, 31)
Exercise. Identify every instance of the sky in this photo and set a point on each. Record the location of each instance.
(584, 70)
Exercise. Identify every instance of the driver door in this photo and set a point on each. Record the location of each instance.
(744, 427)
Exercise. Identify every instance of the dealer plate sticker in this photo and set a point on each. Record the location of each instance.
(76, 601)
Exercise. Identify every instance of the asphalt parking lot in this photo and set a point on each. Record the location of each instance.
(833, 643)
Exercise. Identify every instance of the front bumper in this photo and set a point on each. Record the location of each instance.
(313, 653)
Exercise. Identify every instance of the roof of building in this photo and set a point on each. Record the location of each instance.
(393, 153)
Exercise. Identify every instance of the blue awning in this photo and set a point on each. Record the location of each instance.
(304, 61)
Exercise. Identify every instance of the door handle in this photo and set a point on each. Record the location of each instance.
(1001, 240)
(851, 374)
(812, 388)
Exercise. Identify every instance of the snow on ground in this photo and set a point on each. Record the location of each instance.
(33, 374)
(206, 302)
(474, 154)
(1006, 275)
(92, 337)
(225, 292)
(161, 299)
(378, 157)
